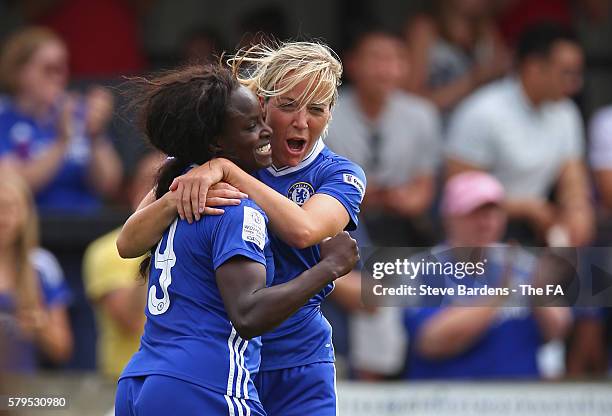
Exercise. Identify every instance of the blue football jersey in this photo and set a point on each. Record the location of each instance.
(506, 349)
(26, 139)
(305, 337)
(188, 334)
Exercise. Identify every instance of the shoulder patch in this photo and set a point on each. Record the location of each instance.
(254, 227)
(355, 181)
(300, 192)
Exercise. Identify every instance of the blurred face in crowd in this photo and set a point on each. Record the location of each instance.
(45, 75)
(481, 227)
(561, 72)
(295, 127)
(377, 65)
(13, 211)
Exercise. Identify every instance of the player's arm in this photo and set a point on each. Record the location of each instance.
(146, 226)
(254, 308)
(320, 217)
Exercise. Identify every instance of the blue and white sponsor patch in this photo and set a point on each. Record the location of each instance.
(254, 227)
(355, 181)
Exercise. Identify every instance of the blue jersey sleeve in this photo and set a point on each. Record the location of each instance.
(240, 231)
(346, 182)
(55, 290)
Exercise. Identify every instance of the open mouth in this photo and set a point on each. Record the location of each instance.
(296, 145)
(264, 149)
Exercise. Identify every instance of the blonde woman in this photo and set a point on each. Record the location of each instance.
(33, 296)
(308, 194)
(56, 140)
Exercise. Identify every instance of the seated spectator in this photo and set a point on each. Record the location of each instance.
(33, 294)
(453, 50)
(526, 132)
(112, 284)
(54, 139)
(393, 135)
(481, 339)
(588, 354)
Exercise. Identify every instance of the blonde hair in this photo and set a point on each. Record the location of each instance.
(17, 50)
(273, 70)
(27, 288)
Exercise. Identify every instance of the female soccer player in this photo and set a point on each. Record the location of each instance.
(308, 194)
(207, 296)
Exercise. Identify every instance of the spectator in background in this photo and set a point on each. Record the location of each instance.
(484, 340)
(528, 133)
(394, 135)
(453, 50)
(112, 285)
(588, 354)
(33, 294)
(54, 139)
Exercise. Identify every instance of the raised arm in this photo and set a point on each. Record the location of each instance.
(254, 308)
(320, 217)
(146, 226)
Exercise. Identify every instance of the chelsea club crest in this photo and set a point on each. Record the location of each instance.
(300, 192)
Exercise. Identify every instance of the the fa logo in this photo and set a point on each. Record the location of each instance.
(300, 192)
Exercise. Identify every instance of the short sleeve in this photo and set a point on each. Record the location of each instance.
(600, 132)
(346, 182)
(55, 290)
(240, 231)
(469, 136)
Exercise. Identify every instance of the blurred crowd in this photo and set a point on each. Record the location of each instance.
(479, 123)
